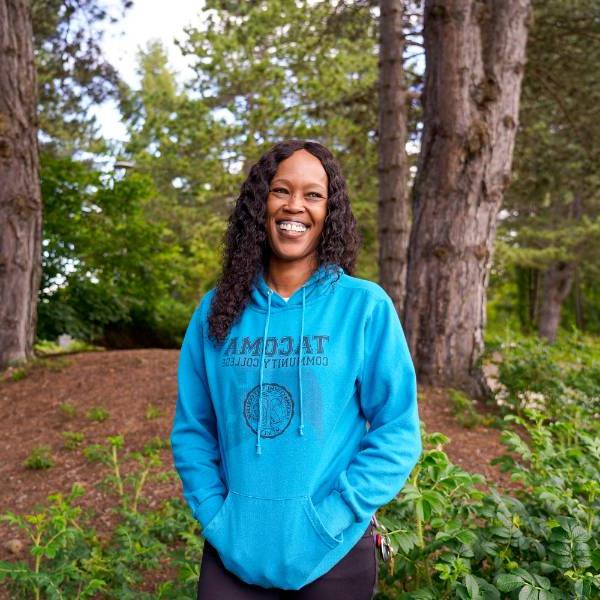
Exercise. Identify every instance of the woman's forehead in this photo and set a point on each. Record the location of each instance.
(301, 167)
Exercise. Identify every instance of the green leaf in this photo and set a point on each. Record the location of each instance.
(507, 582)
(528, 593)
(472, 586)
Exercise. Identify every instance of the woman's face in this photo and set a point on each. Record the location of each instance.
(297, 206)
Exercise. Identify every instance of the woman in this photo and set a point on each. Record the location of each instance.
(283, 364)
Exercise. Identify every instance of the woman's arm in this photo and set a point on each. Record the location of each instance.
(392, 445)
(194, 438)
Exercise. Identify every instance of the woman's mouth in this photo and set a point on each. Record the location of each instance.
(291, 229)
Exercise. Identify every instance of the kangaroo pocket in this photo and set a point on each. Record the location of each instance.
(270, 542)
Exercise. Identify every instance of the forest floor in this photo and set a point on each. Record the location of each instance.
(138, 389)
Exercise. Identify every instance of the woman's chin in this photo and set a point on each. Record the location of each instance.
(287, 255)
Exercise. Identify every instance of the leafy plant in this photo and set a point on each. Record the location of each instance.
(57, 537)
(98, 414)
(50, 347)
(464, 409)
(70, 560)
(153, 412)
(457, 536)
(19, 374)
(39, 458)
(554, 379)
(156, 443)
(68, 409)
(73, 439)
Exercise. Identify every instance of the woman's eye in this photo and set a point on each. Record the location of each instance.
(283, 192)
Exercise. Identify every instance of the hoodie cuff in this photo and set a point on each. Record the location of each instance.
(206, 510)
(335, 514)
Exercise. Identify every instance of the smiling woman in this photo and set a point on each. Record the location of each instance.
(283, 365)
(296, 211)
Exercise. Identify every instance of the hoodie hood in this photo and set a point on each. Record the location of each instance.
(265, 299)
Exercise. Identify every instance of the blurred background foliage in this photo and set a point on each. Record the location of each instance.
(129, 252)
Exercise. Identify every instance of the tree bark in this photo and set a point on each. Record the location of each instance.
(393, 213)
(579, 314)
(556, 286)
(475, 52)
(20, 197)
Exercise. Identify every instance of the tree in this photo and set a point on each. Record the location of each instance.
(109, 269)
(20, 201)
(475, 53)
(72, 73)
(550, 227)
(261, 71)
(393, 220)
(51, 71)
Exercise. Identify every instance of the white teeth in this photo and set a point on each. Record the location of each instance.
(290, 226)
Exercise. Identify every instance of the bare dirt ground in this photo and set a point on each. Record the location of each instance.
(126, 383)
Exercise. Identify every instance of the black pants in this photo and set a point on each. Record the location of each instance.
(353, 578)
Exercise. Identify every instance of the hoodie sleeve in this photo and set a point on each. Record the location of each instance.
(392, 445)
(194, 438)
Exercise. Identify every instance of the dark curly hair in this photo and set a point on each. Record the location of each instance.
(246, 246)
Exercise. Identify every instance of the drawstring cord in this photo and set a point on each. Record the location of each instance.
(301, 427)
(262, 362)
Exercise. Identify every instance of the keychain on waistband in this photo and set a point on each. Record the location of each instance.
(382, 541)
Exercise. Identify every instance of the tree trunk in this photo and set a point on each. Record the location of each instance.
(556, 285)
(579, 315)
(393, 214)
(534, 297)
(20, 198)
(475, 52)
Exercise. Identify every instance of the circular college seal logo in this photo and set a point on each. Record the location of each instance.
(277, 409)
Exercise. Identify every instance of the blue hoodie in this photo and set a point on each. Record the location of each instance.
(284, 487)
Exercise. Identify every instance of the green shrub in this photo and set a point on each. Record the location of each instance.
(98, 414)
(153, 412)
(73, 439)
(156, 443)
(67, 409)
(19, 374)
(39, 458)
(454, 534)
(552, 378)
(68, 559)
(457, 536)
(464, 410)
(48, 347)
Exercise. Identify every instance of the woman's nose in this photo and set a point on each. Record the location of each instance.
(292, 201)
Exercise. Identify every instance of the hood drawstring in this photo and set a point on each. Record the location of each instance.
(262, 362)
(301, 426)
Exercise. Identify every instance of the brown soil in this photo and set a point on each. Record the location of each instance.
(127, 383)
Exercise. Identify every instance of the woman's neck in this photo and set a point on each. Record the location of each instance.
(286, 277)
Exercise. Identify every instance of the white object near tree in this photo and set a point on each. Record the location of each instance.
(64, 340)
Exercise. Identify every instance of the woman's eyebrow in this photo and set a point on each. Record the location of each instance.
(283, 180)
(280, 179)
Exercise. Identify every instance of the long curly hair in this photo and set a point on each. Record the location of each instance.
(246, 246)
